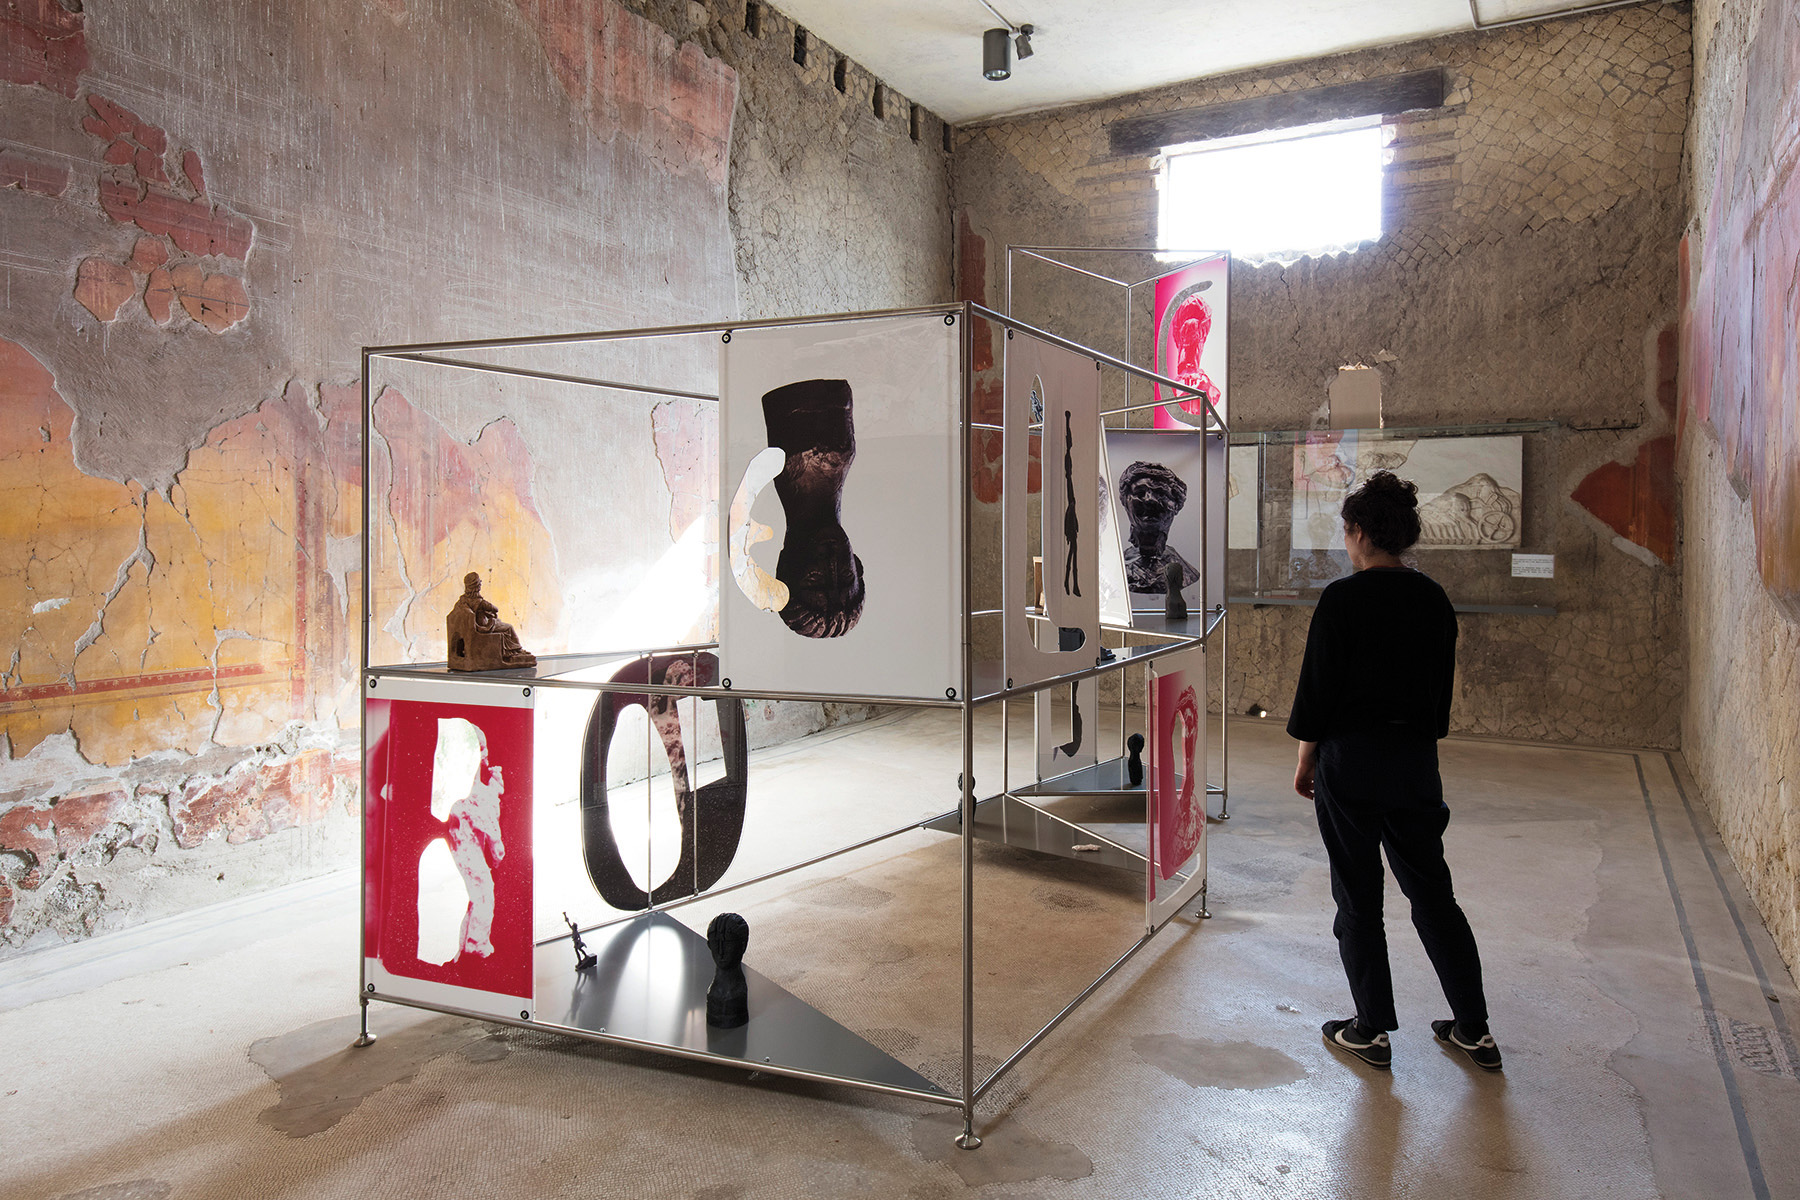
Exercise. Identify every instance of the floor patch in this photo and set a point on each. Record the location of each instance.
(1198, 1062)
(135, 1189)
(1010, 1154)
(322, 1077)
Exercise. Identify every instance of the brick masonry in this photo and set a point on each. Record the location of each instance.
(1527, 272)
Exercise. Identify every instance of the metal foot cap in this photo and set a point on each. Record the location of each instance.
(967, 1140)
(365, 1039)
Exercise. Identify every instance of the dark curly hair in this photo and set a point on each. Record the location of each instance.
(1386, 509)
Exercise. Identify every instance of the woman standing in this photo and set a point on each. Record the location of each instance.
(1373, 700)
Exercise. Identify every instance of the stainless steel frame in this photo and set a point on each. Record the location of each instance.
(1043, 254)
(967, 700)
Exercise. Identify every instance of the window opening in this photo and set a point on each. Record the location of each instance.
(753, 18)
(840, 74)
(1314, 189)
(912, 122)
(799, 46)
(878, 103)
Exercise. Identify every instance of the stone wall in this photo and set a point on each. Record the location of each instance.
(1527, 272)
(1741, 723)
(206, 209)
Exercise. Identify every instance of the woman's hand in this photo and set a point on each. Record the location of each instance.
(1303, 773)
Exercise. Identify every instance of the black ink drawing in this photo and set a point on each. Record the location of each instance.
(1151, 495)
(1071, 522)
(812, 421)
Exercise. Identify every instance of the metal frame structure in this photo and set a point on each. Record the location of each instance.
(969, 698)
(1222, 789)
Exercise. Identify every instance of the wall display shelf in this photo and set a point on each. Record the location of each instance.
(1487, 493)
(800, 536)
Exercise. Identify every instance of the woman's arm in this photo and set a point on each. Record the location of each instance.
(1303, 773)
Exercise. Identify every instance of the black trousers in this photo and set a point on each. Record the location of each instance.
(1372, 791)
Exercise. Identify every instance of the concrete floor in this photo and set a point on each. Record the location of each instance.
(1640, 1005)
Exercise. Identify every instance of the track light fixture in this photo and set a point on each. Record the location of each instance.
(997, 45)
(996, 54)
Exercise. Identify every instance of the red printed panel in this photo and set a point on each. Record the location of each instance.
(1177, 791)
(448, 862)
(1190, 317)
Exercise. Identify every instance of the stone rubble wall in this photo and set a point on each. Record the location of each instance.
(1528, 272)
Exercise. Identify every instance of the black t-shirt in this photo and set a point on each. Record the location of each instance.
(1380, 657)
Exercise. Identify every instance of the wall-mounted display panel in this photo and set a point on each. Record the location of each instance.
(1488, 494)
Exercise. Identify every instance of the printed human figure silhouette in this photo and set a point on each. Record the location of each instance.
(1071, 523)
(472, 831)
(1069, 747)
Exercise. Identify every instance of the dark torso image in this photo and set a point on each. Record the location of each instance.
(812, 420)
(1380, 657)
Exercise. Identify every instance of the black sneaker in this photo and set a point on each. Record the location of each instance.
(1482, 1051)
(1344, 1035)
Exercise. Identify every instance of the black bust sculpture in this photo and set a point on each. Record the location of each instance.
(728, 999)
(1134, 766)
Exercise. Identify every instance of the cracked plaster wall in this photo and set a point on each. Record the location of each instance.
(1527, 271)
(1741, 723)
(206, 209)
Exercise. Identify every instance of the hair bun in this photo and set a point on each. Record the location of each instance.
(1388, 484)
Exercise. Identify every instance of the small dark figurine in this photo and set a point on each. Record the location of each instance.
(728, 999)
(583, 960)
(1134, 766)
(1174, 607)
(475, 636)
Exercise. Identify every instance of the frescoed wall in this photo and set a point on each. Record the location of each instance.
(206, 209)
(1738, 461)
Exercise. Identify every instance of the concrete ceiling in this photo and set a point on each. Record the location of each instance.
(930, 50)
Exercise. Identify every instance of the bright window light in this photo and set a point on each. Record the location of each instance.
(1314, 189)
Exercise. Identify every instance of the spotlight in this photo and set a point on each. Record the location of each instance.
(1256, 710)
(996, 55)
(1022, 43)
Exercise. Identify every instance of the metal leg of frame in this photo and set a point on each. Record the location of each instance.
(1224, 723)
(967, 1139)
(365, 1038)
(1205, 912)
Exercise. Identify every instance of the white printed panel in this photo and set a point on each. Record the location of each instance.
(841, 476)
(1067, 386)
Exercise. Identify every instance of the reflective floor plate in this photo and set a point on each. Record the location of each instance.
(1011, 821)
(649, 984)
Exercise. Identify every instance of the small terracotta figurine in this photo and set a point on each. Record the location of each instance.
(476, 638)
(728, 999)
